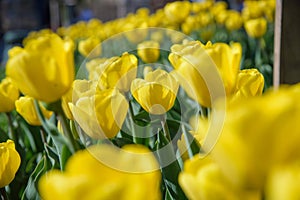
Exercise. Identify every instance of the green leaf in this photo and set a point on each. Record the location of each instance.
(31, 192)
(171, 172)
(64, 156)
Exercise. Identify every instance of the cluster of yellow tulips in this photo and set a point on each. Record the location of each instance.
(120, 110)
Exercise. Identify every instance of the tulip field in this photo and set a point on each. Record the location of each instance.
(176, 104)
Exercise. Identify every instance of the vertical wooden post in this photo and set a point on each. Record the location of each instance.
(287, 43)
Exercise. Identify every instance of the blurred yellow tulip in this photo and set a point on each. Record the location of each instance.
(9, 93)
(202, 179)
(233, 21)
(90, 47)
(25, 107)
(118, 72)
(44, 68)
(10, 162)
(156, 93)
(256, 28)
(250, 82)
(245, 152)
(104, 172)
(148, 51)
(177, 11)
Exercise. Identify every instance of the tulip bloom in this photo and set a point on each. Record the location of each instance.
(44, 68)
(8, 95)
(118, 72)
(100, 113)
(203, 179)
(148, 51)
(177, 11)
(25, 107)
(104, 172)
(233, 21)
(90, 47)
(274, 136)
(156, 93)
(10, 162)
(196, 65)
(256, 28)
(250, 82)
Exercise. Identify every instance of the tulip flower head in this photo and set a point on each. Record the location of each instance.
(44, 68)
(118, 72)
(25, 107)
(10, 162)
(100, 113)
(256, 28)
(148, 51)
(103, 172)
(9, 93)
(156, 93)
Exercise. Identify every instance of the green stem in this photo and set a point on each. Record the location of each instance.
(67, 131)
(11, 132)
(165, 127)
(131, 119)
(4, 194)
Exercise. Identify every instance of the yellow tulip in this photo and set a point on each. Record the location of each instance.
(203, 179)
(100, 113)
(250, 82)
(103, 172)
(25, 107)
(221, 17)
(253, 9)
(256, 28)
(218, 7)
(177, 11)
(272, 139)
(148, 51)
(196, 64)
(156, 93)
(44, 68)
(10, 162)
(118, 72)
(90, 47)
(8, 95)
(111, 109)
(233, 21)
